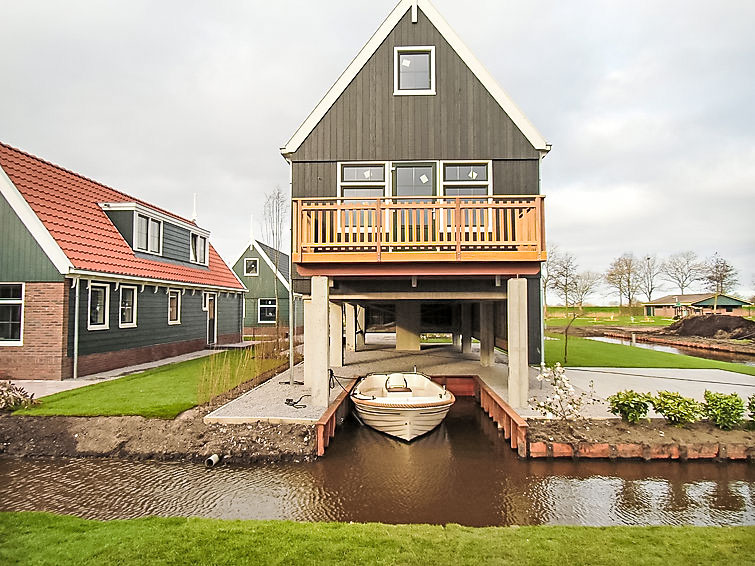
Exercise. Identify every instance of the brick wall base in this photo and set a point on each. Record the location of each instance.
(95, 363)
(230, 338)
(43, 354)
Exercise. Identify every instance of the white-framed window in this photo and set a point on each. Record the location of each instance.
(198, 249)
(99, 306)
(251, 266)
(466, 178)
(267, 311)
(127, 310)
(148, 234)
(366, 180)
(11, 314)
(414, 70)
(174, 306)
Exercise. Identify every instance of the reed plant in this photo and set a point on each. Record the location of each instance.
(224, 372)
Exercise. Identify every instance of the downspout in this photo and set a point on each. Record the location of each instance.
(291, 306)
(540, 282)
(75, 375)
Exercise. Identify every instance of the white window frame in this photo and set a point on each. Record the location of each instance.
(178, 306)
(122, 324)
(106, 324)
(260, 307)
(192, 259)
(416, 48)
(150, 219)
(20, 341)
(256, 271)
(471, 183)
(357, 184)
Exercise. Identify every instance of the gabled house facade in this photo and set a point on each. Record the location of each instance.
(265, 273)
(416, 182)
(92, 279)
(679, 306)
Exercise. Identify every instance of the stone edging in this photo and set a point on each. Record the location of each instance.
(658, 451)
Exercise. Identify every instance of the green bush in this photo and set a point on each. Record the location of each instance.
(676, 409)
(630, 405)
(724, 411)
(751, 406)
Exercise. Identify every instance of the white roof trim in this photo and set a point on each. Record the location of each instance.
(495, 90)
(140, 208)
(35, 226)
(135, 279)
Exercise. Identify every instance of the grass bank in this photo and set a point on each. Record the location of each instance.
(591, 353)
(41, 538)
(601, 319)
(162, 392)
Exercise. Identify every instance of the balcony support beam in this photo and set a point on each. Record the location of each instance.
(408, 325)
(466, 328)
(316, 342)
(350, 324)
(487, 334)
(336, 335)
(517, 342)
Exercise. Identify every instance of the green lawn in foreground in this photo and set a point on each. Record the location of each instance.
(41, 538)
(588, 320)
(163, 392)
(591, 353)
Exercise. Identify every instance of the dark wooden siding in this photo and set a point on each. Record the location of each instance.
(229, 313)
(176, 243)
(152, 322)
(123, 220)
(21, 257)
(462, 121)
(314, 179)
(516, 177)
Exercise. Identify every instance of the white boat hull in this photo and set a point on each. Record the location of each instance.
(418, 408)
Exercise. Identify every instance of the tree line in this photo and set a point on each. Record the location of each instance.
(630, 276)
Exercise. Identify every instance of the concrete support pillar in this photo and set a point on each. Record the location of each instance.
(517, 337)
(456, 339)
(361, 327)
(487, 334)
(316, 341)
(408, 315)
(350, 326)
(336, 335)
(466, 328)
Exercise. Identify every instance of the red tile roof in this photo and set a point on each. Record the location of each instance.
(68, 206)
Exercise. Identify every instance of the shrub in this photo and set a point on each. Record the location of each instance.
(724, 411)
(12, 397)
(751, 406)
(676, 409)
(630, 405)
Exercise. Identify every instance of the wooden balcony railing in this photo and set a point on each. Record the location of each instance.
(498, 228)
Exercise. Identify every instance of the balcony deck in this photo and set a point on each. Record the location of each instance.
(507, 228)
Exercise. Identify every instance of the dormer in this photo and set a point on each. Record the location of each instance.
(153, 234)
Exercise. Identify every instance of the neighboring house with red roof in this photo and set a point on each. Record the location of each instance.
(147, 283)
(679, 306)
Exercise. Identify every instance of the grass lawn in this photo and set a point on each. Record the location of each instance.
(591, 353)
(591, 320)
(162, 392)
(41, 538)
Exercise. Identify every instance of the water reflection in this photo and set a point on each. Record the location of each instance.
(464, 472)
(719, 355)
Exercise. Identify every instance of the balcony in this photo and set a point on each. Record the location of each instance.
(444, 229)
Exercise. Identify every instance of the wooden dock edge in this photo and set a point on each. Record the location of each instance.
(325, 428)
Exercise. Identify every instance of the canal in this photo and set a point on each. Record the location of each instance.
(722, 356)
(463, 472)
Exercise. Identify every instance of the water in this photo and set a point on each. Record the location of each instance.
(734, 357)
(464, 472)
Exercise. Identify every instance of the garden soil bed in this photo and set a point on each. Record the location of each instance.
(650, 439)
(186, 437)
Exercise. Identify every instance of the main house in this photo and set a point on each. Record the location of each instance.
(92, 279)
(416, 184)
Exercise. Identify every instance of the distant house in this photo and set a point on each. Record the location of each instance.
(92, 279)
(264, 272)
(678, 306)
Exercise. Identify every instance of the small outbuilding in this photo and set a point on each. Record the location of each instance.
(679, 306)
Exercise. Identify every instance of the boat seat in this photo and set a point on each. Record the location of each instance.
(398, 389)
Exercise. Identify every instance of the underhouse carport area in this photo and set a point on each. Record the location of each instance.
(492, 309)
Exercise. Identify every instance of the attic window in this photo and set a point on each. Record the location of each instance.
(414, 70)
(251, 267)
(149, 234)
(198, 249)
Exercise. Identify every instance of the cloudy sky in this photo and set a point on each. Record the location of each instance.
(648, 105)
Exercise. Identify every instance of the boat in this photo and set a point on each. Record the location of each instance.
(404, 405)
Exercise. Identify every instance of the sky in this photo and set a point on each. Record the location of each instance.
(648, 105)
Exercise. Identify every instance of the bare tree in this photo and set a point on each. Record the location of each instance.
(650, 273)
(585, 284)
(546, 275)
(719, 276)
(276, 216)
(623, 275)
(682, 269)
(563, 275)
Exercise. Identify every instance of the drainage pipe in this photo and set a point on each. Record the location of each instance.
(212, 461)
(76, 285)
